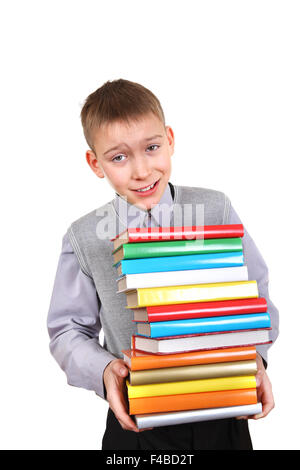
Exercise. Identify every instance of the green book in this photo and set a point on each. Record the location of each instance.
(176, 248)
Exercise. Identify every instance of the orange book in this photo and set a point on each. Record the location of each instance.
(138, 360)
(191, 401)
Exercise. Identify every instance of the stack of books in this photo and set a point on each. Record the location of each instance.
(198, 320)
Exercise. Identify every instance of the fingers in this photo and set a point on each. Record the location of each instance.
(259, 378)
(115, 374)
(119, 367)
(267, 406)
(265, 396)
(125, 421)
(118, 405)
(116, 393)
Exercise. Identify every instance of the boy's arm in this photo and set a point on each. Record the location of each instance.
(258, 270)
(74, 325)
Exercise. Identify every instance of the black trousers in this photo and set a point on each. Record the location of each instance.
(223, 434)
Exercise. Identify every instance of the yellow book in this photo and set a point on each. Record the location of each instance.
(191, 386)
(144, 297)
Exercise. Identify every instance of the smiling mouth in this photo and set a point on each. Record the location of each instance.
(147, 188)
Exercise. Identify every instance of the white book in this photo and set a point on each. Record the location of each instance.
(154, 420)
(176, 344)
(178, 278)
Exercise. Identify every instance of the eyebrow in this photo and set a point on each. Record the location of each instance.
(123, 143)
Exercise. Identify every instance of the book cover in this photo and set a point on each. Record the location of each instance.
(154, 420)
(145, 234)
(199, 310)
(204, 325)
(180, 263)
(176, 344)
(175, 278)
(176, 248)
(141, 360)
(191, 293)
(193, 372)
(191, 401)
(191, 386)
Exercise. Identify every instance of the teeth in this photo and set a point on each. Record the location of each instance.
(146, 189)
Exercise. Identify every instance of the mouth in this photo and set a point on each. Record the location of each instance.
(146, 190)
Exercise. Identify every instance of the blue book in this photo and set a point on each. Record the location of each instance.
(204, 325)
(180, 263)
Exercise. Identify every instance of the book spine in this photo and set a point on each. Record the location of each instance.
(196, 293)
(194, 372)
(184, 262)
(206, 309)
(212, 324)
(141, 361)
(162, 346)
(175, 278)
(189, 233)
(191, 386)
(190, 401)
(181, 247)
(154, 420)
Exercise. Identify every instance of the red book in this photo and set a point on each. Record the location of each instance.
(151, 234)
(200, 310)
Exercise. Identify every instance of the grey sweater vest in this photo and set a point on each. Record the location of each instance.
(94, 254)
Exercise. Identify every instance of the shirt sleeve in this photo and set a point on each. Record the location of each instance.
(74, 324)
(258, 270)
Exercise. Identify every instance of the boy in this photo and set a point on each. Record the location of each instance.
(130, 145)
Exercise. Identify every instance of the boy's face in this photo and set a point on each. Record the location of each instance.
(135, 158)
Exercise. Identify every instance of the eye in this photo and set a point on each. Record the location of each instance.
(151, 147)
(118, 158)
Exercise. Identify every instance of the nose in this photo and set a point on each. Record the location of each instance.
(141, 167)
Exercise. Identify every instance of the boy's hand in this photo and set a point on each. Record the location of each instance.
(264, 391)
(114, 381)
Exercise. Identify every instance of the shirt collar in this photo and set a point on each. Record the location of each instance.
(132, 216)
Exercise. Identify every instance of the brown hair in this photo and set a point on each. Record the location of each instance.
(118, 100)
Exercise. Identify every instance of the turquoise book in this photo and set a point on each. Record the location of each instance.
(204, 325)
(180, 263)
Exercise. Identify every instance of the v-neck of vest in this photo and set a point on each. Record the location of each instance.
(177, 194)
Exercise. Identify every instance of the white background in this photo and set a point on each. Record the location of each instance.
(227, 75)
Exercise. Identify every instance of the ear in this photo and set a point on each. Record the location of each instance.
(94, 164)
(171, 138)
